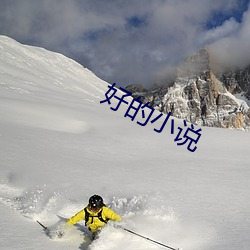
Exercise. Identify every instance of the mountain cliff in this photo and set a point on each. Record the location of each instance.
(204, 97)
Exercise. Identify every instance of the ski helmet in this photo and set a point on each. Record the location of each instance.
(95, 202)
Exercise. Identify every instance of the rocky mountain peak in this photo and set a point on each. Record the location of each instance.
(200, 96)
(197, 64)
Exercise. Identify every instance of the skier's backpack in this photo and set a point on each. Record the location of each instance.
(88, 216)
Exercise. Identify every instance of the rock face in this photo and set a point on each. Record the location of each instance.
(201, 97)
(136, 88)
(237, 81)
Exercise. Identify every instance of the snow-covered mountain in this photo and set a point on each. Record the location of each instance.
(204, 97)
(59, 145)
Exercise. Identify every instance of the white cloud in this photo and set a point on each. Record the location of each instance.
(233, 50)
(228, 28)
(97, 33)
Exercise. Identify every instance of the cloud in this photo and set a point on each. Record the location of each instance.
(124, 41)
(228, 28)
(233, 49)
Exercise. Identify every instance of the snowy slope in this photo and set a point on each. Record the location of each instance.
(59, 145)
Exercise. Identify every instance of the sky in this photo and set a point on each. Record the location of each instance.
(132, 41)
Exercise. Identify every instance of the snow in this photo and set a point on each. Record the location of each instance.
(59, 146)
(242, 99)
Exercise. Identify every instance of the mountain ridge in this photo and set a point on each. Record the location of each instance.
(203, 96)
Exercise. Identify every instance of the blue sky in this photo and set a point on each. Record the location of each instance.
(218, 17)
(132, 41)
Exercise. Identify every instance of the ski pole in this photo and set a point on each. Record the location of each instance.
(146, 238)
(45, 228)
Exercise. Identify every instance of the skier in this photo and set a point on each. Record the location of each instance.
(95, 214)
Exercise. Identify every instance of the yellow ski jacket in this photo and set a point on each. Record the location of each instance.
(94, 223)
